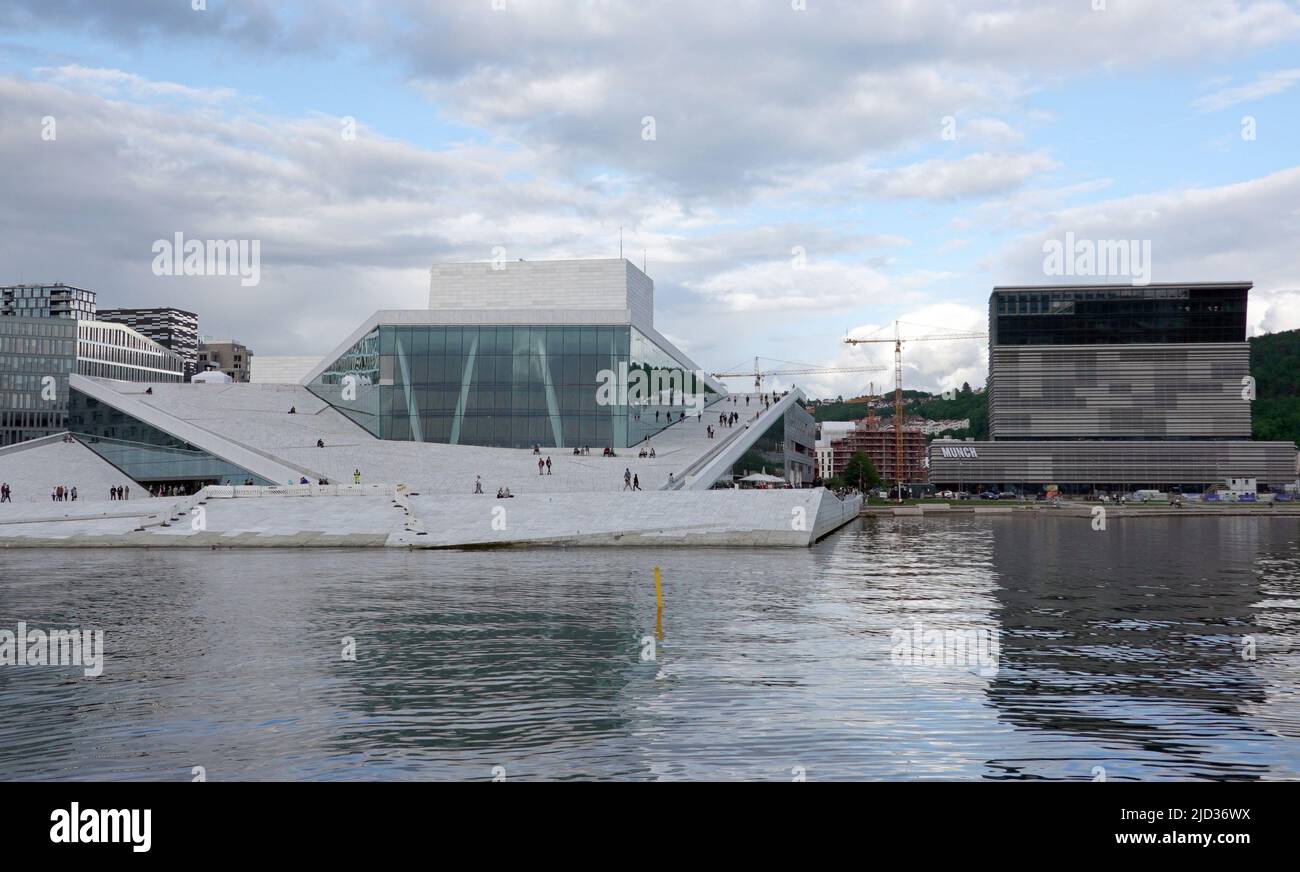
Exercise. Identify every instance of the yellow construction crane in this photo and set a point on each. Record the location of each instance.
(898, 341)
(760, 374)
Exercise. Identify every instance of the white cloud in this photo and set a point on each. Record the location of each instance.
(118, 83)
(1246, 230)
(931, 365)
(992, 131)
(972, 176)
(779, 286)
(1265, 85)
(1279, 310)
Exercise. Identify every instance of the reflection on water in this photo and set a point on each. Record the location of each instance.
(1120, 649)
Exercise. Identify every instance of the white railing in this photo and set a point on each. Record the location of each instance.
(243, 491)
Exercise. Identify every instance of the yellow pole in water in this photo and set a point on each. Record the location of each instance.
(659, 599)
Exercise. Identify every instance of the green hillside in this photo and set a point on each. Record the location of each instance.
(1275, 364)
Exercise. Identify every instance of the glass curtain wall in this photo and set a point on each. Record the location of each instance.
(36, 357)
(1118, 315)
(146, 454)
(505, 386)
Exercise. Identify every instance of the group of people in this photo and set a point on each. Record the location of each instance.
(119, 492)
(173, 490)
(503, 493)
(544, 466)
(646, 453)
(64, 494)
(630, 481)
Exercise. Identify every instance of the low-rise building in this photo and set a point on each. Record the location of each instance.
(226, 355)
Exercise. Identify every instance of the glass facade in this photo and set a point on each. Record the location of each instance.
(787, 449)
(36, 357)
(108, 350)
(47, 301)
(145, 453)
(1090, 316)
(508, 386)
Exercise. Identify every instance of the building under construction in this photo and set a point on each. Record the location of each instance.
(878, 443)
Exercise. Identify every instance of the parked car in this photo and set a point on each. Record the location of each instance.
(989, 495)
(963, 495)
(1008, 495)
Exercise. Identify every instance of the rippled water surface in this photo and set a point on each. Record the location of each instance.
(1121, 649)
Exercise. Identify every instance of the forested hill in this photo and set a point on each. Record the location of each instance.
(1274, 362)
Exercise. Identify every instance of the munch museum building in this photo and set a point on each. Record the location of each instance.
(511, 354)
(1115, 388)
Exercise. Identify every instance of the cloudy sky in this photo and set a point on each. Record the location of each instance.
(792, 171)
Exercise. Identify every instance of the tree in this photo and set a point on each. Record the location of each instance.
(861, 471)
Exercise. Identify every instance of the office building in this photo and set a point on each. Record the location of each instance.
(47, 301)
(115, 351)
(36, 357)
(1115, 388)
(173, 329)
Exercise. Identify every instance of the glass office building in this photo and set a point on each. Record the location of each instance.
(36, 357)
(1116, 315)
(47, 301)
(511, 385)
(1101, 388)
